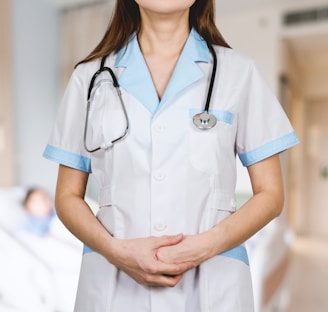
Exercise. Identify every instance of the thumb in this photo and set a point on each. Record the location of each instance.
(169, 240)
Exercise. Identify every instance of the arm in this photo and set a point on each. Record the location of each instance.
(265, 205)
(137, 257)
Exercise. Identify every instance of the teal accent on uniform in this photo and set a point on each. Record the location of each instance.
(238, 253)
(86, 249)
(221, 115)
(271, 148)
(67, 158)
(136, 78)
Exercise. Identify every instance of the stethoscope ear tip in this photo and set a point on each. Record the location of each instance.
(204, 120)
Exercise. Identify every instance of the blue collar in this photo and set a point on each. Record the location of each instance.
(136, 78)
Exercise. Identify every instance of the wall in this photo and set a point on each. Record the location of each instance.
(36, 29)
(7, 168)
(81, 36)
(294, 97)
(255, 32)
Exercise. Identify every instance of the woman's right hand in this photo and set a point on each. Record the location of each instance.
(137, 258)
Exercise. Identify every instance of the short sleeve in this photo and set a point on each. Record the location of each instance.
(263, 127)
(65, 145)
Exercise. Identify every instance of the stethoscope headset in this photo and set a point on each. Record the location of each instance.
(203, 120)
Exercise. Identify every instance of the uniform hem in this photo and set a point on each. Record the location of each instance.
(86, 249)
(238, 253)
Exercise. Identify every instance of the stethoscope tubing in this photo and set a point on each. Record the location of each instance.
(89, 100)
(213, 75)
(203, 121)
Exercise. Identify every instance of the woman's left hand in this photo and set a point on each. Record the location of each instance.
(193, 248)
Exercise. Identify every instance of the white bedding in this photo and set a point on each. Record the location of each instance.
(37, 274)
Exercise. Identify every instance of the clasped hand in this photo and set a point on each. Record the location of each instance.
(158, 261)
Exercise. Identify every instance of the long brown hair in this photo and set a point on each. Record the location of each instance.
(126, 21)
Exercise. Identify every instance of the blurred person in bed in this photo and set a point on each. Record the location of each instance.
(40, 212)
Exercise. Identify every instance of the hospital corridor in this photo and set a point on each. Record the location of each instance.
(308, 275)
(42, 40)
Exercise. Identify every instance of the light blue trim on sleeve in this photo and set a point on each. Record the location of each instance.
(221, 115)
(271, 148)
(238, 253)
(67, 158)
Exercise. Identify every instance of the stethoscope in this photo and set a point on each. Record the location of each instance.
(203, 120)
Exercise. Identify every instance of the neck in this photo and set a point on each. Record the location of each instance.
(162, 34)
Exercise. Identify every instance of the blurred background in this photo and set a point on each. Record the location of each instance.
(42, 40)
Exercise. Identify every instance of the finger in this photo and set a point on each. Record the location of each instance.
(170, 281)
(169, 240)
(162, 280)
(174, 269)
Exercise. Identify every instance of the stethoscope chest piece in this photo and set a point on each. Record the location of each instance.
(204, 120)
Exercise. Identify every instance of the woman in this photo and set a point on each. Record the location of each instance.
(168, 236)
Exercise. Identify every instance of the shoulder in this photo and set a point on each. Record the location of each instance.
(237, 67)
(234, 58)
(86, 70)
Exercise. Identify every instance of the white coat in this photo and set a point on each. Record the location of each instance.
(167, 176)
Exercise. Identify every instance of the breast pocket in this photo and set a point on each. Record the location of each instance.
(209, 148)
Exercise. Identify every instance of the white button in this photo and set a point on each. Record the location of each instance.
(159, 176)
(160, 226)
(160, 128)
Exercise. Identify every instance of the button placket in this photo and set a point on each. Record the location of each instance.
(160, 226)
(160, 127)
(159, 177)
